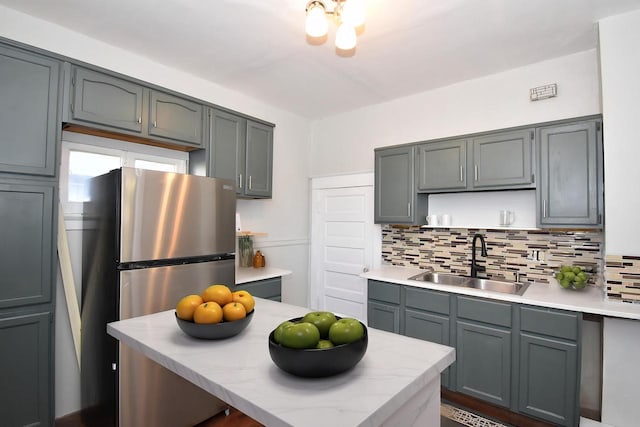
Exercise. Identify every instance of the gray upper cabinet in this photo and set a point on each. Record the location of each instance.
(106, 102)
(503, 160)
(258, 170)
(29, 86)
(27, 251)
(175, 118)
(570, 189)
(99, 99)
(442, 166)
(396, 199)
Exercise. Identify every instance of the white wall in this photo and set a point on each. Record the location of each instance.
(493, 102)
(284, 217)
(620, 68)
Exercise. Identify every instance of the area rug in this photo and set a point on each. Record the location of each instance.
(466, 418)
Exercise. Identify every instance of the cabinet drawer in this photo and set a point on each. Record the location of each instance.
(382, 291)
(493, 312)
(267, 288)
(428, 300)
(546, 321)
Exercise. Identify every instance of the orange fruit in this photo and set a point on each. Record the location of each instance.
(187, 306)
(244, 298)
(233, 311)
(208, 312)
(217, 293)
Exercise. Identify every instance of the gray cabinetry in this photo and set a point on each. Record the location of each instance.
(102, 101)
(442, 165)
(570, 189)
(29, 85)
(26, 369)
(266, 288)
(396, 199)
(483, 344)
(241, 150)
(503, 160)
(383, 310)
(549, 365)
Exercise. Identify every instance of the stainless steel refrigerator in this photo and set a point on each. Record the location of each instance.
(149, 239)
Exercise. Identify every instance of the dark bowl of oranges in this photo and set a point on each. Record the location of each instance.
(216, 314)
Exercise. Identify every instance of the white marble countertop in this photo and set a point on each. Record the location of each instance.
(589, 300)
(240, 371)
(250, 274)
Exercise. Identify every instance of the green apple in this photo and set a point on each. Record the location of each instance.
(346, 330)
(277, 334)
(324, 344)
(322, 319)
(300, 335)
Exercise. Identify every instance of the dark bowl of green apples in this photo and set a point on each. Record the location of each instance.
(320, 344)
(572, 277)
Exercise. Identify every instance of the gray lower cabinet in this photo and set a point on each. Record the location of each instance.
(483, 344)
(110, 103)
(26, 369)
(383, 308)
(395, 197)
(267, 288)
(570, 189)
(442, 166)
(503, 160)
(550, 365)
(29, 86)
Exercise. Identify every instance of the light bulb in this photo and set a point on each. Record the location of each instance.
(316, 23)
(345, 37)
(353, 13)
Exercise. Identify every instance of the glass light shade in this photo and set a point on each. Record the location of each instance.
(345, 37)
(353, 13)
(316, 24)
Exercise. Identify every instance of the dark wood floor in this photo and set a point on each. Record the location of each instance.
(234, 419)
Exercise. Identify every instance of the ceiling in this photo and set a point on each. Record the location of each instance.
(259, 48)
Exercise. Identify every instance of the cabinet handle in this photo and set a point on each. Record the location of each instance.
(155, 123)
(240, 181)
(461, 173)
(544, 208)
(139, 119)
(409, 209)
(249, 182)
(475, 171)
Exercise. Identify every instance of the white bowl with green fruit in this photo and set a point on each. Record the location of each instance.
(572, 277)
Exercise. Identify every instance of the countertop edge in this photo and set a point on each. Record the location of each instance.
(551, 295)
(250, 274)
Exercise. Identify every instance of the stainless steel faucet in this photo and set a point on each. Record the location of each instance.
(483, 251)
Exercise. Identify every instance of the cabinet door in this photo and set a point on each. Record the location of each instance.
(26, 252)
(258, 160)
(568, 193)
(267, 288)
(503, 160)
(549, 375)
(227, 136)
(104, 100)
(175, 118)
(483, 362)
(28, 112)
(441, 165)
(383, 316)
(428, 327)
(26, 370)
(395, 195)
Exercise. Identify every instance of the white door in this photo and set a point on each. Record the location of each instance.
(343, 244)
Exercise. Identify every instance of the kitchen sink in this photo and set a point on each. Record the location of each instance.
(501, 286)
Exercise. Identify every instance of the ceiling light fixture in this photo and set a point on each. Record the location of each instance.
(349, 14)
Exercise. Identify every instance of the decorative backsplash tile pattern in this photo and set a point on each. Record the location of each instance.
(623, 278)
(448, 250)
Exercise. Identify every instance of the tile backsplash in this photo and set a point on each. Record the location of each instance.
(510, 251)
(623, 278)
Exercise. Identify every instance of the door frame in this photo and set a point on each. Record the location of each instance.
(335, 182)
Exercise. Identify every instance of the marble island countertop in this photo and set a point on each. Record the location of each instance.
(590, 300)
(395, 372)
(250, 274)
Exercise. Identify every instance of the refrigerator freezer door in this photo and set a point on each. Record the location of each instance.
(171, 215)
(150, 394)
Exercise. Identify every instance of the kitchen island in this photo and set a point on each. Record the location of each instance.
(397, 382)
